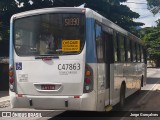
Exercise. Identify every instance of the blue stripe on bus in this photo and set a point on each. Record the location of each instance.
(11, 45)
(90, 41)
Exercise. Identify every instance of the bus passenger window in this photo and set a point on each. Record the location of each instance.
(138, 53)
(133, 52)
(121, 48)
(142, 54)
(118, 47)
(136, 49)
(115, 47)
(126, 48)
(99, 43)
(129, 50)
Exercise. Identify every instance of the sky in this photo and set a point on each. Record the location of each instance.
(140, 6)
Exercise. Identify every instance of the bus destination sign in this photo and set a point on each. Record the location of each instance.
(73, 21)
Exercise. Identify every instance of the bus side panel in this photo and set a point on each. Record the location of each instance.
(11, 44)
(91, 60)
(116, 80)
(130, 73)
(90, 41)
(89, 101)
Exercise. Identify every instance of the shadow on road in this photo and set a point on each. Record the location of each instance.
(135, 103)
(152, 80)
(141, 101)
(4, 93)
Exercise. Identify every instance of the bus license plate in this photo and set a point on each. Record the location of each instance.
(48, 87)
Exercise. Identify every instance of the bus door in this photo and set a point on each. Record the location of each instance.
(103, 68)
(100, 69)
(108, 58)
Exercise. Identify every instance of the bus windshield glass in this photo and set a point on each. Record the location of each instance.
(49, 34)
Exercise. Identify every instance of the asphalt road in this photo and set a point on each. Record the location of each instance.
(145, 100)
(143, 103)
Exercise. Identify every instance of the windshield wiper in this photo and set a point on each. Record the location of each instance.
(46, 57)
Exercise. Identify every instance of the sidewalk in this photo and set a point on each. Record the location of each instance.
(4, 96)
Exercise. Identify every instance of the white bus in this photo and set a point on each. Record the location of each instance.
(72, 59)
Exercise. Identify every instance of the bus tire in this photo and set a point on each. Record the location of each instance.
(142, 81)
(141, 85)
(122, 96)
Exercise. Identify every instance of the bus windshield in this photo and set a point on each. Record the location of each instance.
(49, 34)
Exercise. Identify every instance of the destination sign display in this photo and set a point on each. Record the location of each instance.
(72, 21)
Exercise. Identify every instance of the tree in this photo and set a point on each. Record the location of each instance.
(154, 6)
(112, 9)
(151, 37)
(158, 23)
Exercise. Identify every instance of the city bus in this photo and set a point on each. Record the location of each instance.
(72, 59)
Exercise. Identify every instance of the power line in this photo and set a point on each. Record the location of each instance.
(138, 8)
(144, 16)
(137, 3)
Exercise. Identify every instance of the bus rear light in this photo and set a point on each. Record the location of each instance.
(76, 96)
(88, 80)
(11, 86)
(87, 88)
(88, 73)
(83, 10)
(10, 74)
(11, 80)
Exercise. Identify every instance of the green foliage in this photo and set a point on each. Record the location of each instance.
(158, 22)
(151, 37)
(119, 14)
(111, 9)
(154, 6)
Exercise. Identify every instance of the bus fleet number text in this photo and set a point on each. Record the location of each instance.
(75, 66)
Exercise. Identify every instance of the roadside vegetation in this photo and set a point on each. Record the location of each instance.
(151, 38)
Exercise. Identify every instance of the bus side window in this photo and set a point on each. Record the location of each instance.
(121, 48)
(133, 52)
(126, 49)
(129, 49)
(99, 44)
(108, 47)
(118, 47)
(115, 47)
(138, 53)
(142, 54)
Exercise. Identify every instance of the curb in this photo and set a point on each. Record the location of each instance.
(6, 98)
(4, 101)
(4, 104)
